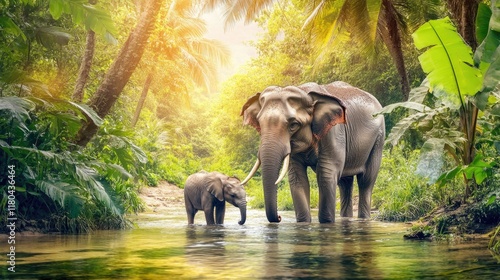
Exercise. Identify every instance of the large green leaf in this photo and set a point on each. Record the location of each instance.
(65, 122)
(409, 105)
(492, 75)
(10, 27)
(482, 21)
(402, 126)
(17, 108)
(478, 169)
(56, 8)
(419, 93)
(88, 112)
(82, 13)
(99, 189)
(447, 60)
(51, 35)
(66, 195)
(486, 50)
(20, 81)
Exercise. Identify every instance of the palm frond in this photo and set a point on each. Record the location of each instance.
(314, 11)
(66, 195)
(243, 9)
(98, 189)
(188, 27)
(418, 94)
(213, 49)
(210, 5)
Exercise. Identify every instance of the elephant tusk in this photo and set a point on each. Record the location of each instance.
(286, 164)
(250, 175)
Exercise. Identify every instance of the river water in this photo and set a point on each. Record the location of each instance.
(164, 247)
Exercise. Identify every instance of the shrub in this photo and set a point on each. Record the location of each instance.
(400, 194)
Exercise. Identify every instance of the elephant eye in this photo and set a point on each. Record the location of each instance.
(294, 126)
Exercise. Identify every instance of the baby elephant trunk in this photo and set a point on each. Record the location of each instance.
(243, 212)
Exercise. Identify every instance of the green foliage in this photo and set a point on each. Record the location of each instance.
(400, 194)
(83, 13)
(56, 179)
(447, 61)
(448, 117)
(183, 130)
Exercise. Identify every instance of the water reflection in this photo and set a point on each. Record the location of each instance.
(164, 247)
(314, 250)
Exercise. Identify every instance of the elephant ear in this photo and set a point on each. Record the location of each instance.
(329, 107)
(216, 188)
(250, 111)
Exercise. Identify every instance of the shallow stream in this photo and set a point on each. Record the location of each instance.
(164, 247)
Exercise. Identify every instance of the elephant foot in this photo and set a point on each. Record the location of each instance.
(304, 219)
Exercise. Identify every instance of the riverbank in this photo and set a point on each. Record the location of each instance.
(161, 197)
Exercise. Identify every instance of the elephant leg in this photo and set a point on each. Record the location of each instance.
(366, 180)
(365, 195)
(327, 175)
(331, 160)
(345, 187)
(220, 211)
(191, 215)
(209, 215)
(300, 189)
(191, 212)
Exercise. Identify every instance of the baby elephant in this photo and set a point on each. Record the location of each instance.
(206, 191)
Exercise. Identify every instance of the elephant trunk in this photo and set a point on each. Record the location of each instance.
(272, 154)
(243, 212)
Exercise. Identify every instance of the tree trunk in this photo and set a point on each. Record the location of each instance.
(144, 94)
(463, 13)
(83, 73)
(122, 68)
(392, 39)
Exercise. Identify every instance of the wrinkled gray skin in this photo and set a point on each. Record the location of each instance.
(330, 128)
(210, 191)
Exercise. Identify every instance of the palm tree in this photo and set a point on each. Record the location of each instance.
(369, 22)
(366, 21)
(84, 71)
(180, 40)
(122, 68)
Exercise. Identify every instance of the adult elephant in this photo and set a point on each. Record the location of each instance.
(330, 128)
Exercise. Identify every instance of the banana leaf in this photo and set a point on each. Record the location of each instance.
(448, 60)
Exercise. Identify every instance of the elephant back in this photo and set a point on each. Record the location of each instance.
(195, 179)
(343, 92)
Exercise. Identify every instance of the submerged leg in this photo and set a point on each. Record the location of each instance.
(346, 187)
